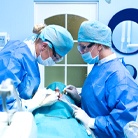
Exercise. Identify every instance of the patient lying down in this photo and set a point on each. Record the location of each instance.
(57, 120)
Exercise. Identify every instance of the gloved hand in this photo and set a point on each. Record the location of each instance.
(131, 129)
(73, 93)
(43, 97)
(83, 117)
(50, 99)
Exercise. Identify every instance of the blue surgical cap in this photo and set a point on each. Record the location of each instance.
(95, 32)
(59, 37)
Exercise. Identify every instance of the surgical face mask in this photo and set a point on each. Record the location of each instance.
(47, 62)
(87, 57)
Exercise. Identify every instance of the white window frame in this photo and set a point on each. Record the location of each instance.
(53, 9)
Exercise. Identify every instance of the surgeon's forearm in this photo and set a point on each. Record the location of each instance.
(29, 105)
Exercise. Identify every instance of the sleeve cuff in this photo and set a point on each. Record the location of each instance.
(28, 105)
(91, 123)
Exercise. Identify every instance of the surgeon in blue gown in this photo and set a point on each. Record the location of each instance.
(19, 60)
(109, 97)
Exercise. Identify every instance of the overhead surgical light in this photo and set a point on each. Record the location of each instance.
(108, 1)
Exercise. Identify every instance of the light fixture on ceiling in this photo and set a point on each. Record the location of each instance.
(108, 1)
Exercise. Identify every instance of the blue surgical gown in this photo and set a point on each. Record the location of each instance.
(110, 95)
(18, 63)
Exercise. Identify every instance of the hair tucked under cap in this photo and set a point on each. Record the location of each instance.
(37, 29)
(59, 37)
(96, 32)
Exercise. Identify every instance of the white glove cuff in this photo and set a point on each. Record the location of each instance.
(28, 105)
(91, 123)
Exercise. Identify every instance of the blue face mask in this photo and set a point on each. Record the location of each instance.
(89, 59)
(47, 62)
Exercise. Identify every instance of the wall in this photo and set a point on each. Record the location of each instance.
(107, 11)
(66, 0)
(17, 18)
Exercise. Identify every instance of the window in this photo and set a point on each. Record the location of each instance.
(72, 70)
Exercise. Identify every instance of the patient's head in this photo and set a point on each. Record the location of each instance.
(57, 86)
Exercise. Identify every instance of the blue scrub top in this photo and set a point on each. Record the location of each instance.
(18, 63)
(110, 95)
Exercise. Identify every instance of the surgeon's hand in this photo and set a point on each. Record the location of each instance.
(43, 97)
(83, 117)
(131, 129)
(50, 99)
(73, 93)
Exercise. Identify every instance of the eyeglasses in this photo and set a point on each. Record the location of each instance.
(56, 58)
(84, 49)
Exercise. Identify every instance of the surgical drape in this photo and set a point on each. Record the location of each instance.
(57, 121)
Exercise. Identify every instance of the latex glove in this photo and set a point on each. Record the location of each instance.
(43, 97)
(131, 129)
(50, 99)
(73, 93)
(83, 117)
